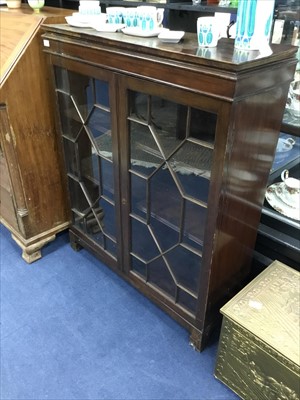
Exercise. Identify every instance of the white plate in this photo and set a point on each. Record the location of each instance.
(278, 205)
(107, 27)
(89, 19)
(77, 24)
(171, 36)
(135, 31)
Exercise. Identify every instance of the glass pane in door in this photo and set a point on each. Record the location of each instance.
(171, 152)
(86, 129)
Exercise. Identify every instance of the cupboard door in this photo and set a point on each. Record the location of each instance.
(170, 149)
(84, 104)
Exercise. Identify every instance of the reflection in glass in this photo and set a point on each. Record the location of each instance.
(187, 301)
(139, 267)
(108, 218)
(192, 159)
(79, 199)
(107, 178)
(185, 266)
(71, 159)
(86, 154)
(98, 123)
(171, 150)
(138, 200)
(138, 103)
(61, 79)
(166, 200)
(70, 126)
(143, 244)
(144, 151)
(160, 276)
(165, 235)
(82, 92)
(102, 93)
(193, 225)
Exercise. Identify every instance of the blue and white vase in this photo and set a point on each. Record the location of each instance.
(254, 24)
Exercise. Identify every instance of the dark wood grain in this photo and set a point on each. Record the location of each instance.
(248, 99)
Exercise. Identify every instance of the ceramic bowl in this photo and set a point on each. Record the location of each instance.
(36, 5)
(13, 3)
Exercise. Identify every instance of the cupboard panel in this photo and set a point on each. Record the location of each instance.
(171, 151)
(86, 125)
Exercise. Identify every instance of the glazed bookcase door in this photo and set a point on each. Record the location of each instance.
(84, 103)
(167, 164)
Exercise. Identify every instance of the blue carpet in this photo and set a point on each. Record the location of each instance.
(72, 329)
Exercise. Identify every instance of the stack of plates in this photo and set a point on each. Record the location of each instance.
(85, 21)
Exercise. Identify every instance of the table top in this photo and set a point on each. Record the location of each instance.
(224, 56)
(17, 27)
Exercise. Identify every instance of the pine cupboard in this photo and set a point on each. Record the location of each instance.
(167, 151)
(33, 198)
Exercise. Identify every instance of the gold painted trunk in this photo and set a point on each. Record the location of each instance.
(258, 355)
